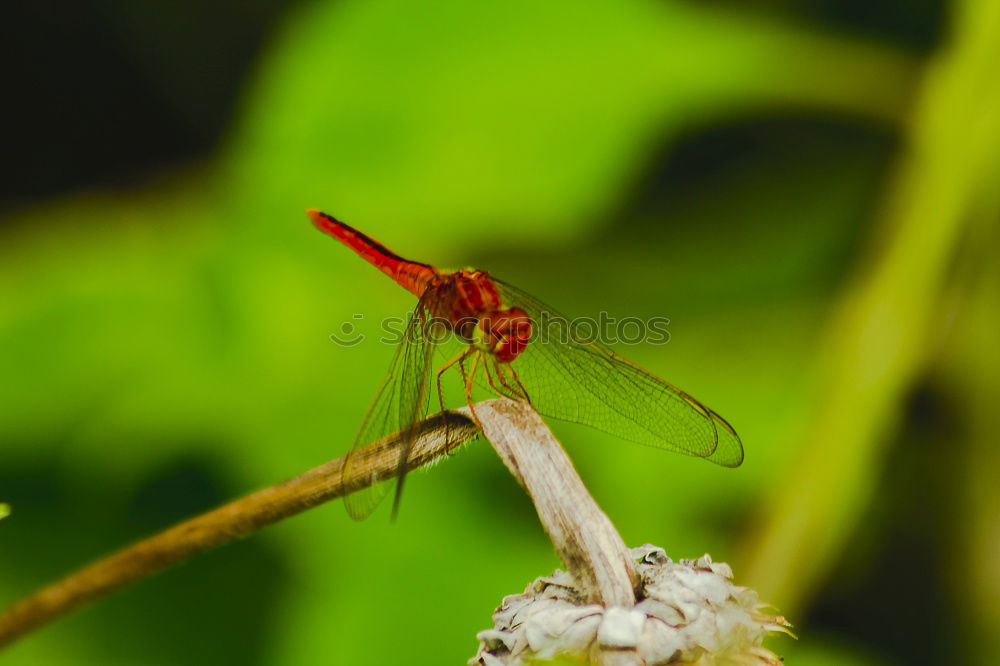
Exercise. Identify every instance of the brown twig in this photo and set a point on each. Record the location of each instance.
(237, 519)
(584, 538)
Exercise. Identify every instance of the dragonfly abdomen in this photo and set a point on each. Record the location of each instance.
(411, 275)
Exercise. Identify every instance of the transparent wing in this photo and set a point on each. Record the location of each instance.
(400, 404)
(580, 381)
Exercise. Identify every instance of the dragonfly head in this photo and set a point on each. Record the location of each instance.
(504, 333)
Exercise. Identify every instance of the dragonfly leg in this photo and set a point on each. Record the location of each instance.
(458, 358)
(505, 391)
(511, 392)
(520, 392)
(469, 379)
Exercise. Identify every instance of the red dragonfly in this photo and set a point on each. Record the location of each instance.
(501, 330)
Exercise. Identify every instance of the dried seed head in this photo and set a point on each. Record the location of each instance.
(688, 612)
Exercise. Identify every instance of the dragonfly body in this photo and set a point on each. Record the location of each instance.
(562, 377)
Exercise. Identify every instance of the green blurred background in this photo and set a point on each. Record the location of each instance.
(808, 189)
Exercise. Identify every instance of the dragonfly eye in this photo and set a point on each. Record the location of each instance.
(509, 330)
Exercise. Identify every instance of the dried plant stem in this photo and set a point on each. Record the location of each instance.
(583, 536)
(227, 523)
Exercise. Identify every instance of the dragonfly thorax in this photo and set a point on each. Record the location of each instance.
(471, 303)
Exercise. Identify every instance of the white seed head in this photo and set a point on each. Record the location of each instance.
(688, 612)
